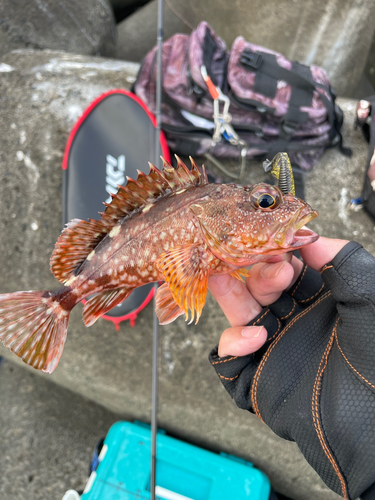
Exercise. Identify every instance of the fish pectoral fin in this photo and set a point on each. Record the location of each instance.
(186, 274)
(102, 303)
(166, 308)
(240, 274)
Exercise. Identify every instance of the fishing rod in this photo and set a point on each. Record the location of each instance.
(155, 343)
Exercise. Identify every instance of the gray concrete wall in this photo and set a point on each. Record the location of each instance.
(78, 26)
(42, 95)
(334, 34)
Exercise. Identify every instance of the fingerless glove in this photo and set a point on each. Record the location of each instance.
(313, 382)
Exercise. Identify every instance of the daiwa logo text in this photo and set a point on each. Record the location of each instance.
(115, 174)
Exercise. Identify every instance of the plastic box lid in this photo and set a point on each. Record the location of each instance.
(183, 471)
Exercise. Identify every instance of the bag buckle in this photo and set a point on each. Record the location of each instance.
(223, 127)
(289, 126)
(252, 59)
(222, 118)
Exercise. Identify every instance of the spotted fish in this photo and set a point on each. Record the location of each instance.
(170, 225)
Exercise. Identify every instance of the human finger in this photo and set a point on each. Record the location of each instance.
(234, 298)
(241, 341)
(321, 251)
(269, 280)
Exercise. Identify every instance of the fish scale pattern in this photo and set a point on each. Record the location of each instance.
(313, 382)
(80, 237)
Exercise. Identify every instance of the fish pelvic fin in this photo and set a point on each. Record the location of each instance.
(80, 237)
(34, 325)
(166, 308)
(186, 273)
(102, 303)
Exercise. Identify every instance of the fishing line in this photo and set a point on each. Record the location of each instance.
(180, 16)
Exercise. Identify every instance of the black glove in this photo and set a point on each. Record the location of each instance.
(313, 382)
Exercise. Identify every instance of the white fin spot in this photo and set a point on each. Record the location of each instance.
(70, 280)
(115, 231)
(147, 207)
(91, 255)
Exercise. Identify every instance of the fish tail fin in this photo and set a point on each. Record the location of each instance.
(34, 325)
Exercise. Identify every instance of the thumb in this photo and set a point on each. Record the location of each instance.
(321, 252)
(241, 340)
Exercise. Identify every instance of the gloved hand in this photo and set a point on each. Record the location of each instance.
(306, 362)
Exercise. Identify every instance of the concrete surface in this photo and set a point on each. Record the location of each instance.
(333, 34)
(83, 27)
(370, 65)
(47, 436)
(42, 94)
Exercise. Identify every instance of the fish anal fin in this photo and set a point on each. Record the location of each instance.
(240, 274)
(102, 303)
(166, 308)
(186, 274)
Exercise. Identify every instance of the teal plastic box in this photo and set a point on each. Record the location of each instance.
(183, 471)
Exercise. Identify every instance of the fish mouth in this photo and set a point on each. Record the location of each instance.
(303, 235)
(295, 234)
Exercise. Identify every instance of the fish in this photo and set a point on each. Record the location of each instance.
(169, 226)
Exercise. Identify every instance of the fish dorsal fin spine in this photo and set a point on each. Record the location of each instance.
(80, 237)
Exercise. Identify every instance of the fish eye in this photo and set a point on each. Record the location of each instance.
(265, 197)
(266, 200)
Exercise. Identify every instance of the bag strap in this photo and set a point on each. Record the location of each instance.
(208, 51)
(266, 63)
(268, 71)
(209, 48)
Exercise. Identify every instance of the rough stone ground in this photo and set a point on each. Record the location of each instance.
(80, 27)
(41, 96)
(47, 435)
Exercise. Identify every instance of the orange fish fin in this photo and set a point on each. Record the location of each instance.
(34, 325)
(166, 308)
(102, 303)
(240, 274)
(186, 274)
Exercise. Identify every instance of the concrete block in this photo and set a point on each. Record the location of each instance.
(83, 27)
(331, 34)
(42, 95)
(47, 436)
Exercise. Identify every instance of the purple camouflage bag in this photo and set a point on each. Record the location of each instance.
(250, 101)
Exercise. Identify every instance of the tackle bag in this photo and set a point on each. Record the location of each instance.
(248, 101)
(365, 119)
(114, 137)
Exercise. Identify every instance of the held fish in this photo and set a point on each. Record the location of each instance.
(170, 225)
